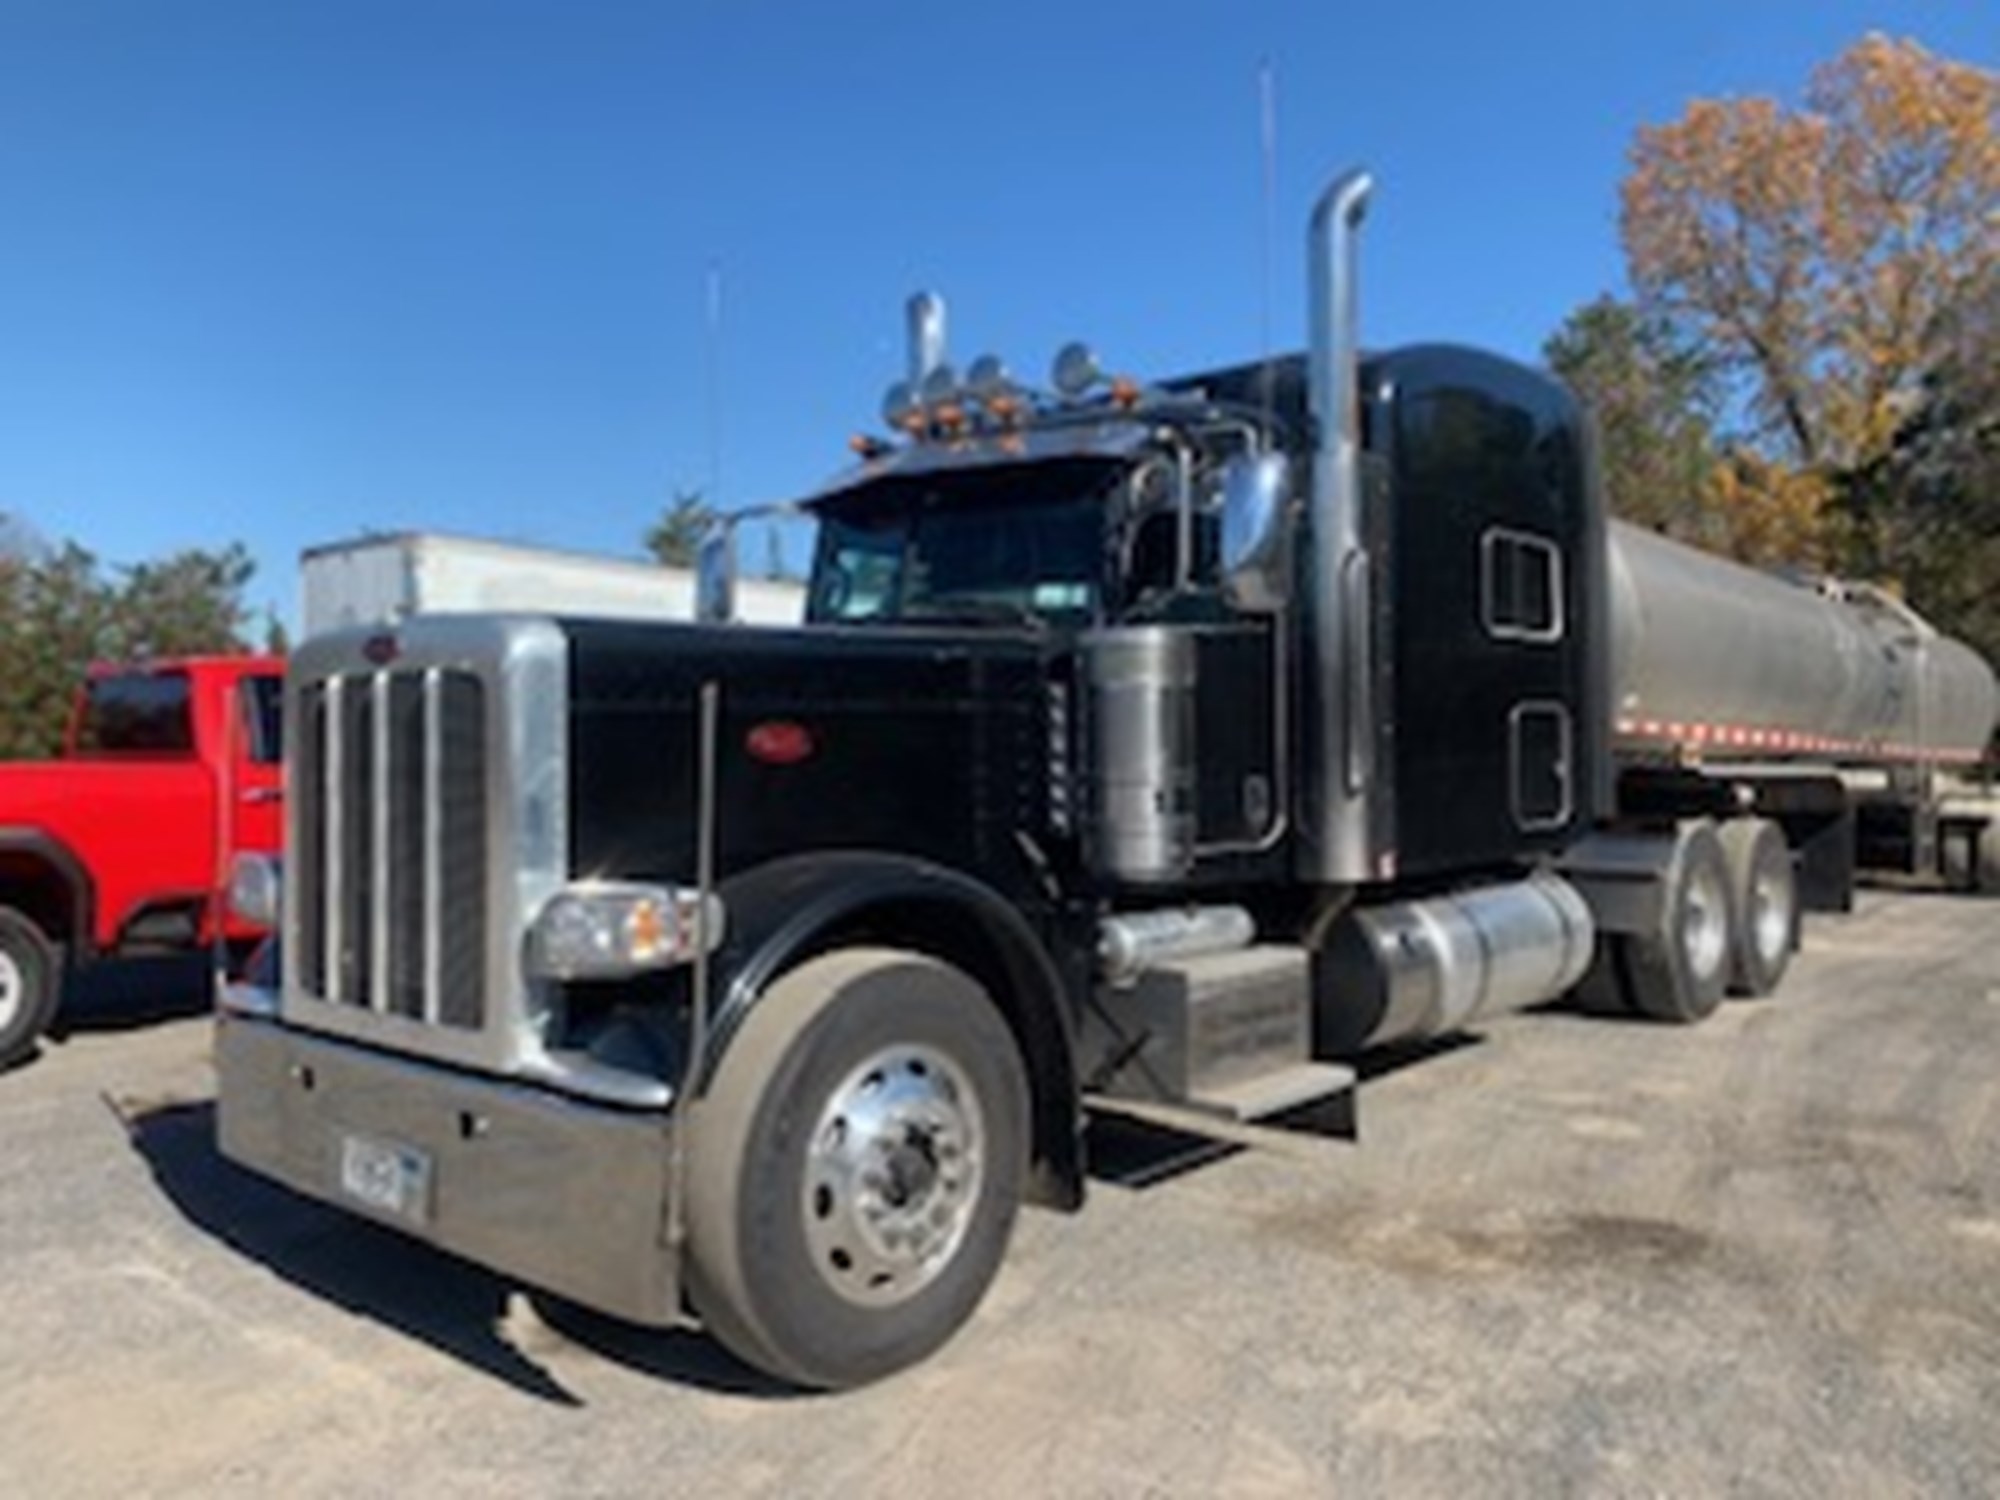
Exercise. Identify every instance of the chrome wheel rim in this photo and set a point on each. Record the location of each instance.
(1771, 918)
(893, 1175)
(1705, 925)
(13, 990)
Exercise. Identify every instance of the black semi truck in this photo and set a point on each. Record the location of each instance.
(1168, 743)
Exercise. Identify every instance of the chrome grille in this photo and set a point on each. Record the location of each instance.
(390, 854)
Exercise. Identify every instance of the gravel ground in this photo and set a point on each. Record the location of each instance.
(1761, 1256)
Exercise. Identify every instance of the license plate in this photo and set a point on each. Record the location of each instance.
(389, 1178)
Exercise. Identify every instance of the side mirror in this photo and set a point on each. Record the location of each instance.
(1256, 493)
(715, 576)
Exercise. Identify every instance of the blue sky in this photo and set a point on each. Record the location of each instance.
(280, 272)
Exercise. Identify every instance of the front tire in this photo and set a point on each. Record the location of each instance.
(855, 1167)
(30, 986)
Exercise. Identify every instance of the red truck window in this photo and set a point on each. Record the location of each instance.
(139, 714)
(264, 719)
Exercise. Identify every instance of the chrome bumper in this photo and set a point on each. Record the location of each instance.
(567, 1196)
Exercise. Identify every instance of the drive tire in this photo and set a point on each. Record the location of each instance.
(30, 986)
(862, 1066)
(1763, 884)
(1679, 974)
(1601, 991)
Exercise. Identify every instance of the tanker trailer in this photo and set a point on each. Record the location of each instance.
(1806, 728)
(1714, 661)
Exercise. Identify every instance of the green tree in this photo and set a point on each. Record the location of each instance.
(188, 604)
(57, 612)
(1925, 515)
(1650, 398)
(675, 538)
(60, 611)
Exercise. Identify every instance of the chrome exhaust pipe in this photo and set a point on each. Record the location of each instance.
(1339, 843)
(926, 337)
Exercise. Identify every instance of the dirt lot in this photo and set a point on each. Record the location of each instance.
(1571, 1256)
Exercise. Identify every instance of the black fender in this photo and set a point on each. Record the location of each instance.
(782, 913)
(34, 846)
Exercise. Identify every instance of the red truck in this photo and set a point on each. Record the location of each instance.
(123, 845)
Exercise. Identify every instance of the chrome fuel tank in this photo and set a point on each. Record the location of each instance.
(1142, 712)
(1722, 659)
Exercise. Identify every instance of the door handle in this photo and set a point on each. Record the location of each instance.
(258, 795)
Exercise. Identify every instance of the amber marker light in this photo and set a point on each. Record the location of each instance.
(648, 934)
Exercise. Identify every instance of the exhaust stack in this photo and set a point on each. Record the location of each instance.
(926, 337)
(1339, 842)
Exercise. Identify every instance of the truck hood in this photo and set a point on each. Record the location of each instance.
(930, 742)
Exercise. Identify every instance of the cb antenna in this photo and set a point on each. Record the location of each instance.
(712, 379)
(1267, 235)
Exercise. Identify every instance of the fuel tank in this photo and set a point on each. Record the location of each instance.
(1713, 657)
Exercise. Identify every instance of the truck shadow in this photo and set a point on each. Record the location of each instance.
(449, 1304)
(127, 994)
(1125, 1152)
(1384, 1061)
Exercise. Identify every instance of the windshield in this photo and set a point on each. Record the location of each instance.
(1006, 544)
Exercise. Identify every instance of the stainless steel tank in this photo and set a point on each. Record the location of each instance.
(1414, 969)
(1142, 721)
(1718, 658)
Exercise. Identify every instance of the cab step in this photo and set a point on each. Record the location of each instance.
(1315, 1101)
(1277, 1093)
(1218, 1038)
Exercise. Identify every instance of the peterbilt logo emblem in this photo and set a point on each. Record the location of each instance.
(779, 742)
(381, 650)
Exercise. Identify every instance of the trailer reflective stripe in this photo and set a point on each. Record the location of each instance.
(1698, 734)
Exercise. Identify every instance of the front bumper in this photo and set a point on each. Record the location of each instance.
(564, 1195)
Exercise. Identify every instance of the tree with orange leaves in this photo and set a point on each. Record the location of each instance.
(1820, 254)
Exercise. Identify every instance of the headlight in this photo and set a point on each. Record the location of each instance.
(611, 930)
(255, 884)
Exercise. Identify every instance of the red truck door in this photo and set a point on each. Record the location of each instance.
(185, 765)
(135, 800)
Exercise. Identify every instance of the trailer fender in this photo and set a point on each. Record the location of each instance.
(792, 909)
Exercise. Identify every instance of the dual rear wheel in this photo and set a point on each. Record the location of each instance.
(1728, 924)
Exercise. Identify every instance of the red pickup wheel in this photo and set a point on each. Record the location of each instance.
(30, 982)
